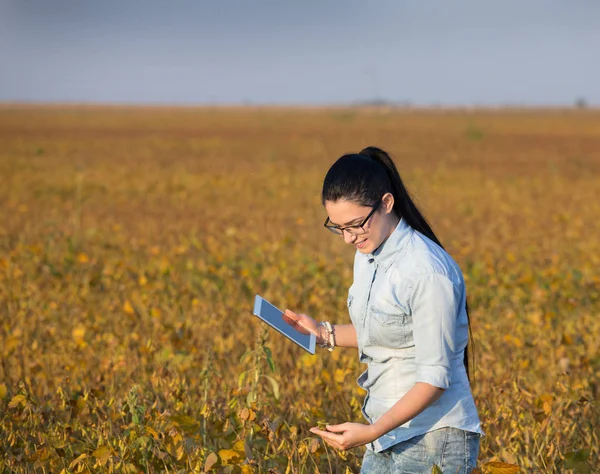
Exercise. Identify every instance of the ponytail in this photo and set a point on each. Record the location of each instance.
(403, 204)
(364, 178)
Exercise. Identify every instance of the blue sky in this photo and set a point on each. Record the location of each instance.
(465, 52)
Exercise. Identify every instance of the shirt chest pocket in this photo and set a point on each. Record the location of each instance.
(389, 328)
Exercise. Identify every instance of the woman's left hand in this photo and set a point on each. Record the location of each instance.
(347, 435)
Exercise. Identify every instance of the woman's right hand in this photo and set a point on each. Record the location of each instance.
(301, 322)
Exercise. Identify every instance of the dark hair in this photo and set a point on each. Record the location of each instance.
(364, 178)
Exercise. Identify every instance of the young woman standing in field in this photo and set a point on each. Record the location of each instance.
(409, 323)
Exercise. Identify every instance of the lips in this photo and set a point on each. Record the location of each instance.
(361, 244)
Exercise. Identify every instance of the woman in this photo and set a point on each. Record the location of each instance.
(409, 323)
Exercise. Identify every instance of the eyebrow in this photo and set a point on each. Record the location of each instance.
(347, 223)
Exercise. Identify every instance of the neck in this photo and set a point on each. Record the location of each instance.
(394, 221)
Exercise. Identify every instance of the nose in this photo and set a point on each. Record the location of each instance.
(349, 238)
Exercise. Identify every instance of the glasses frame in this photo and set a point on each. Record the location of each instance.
(339, 230)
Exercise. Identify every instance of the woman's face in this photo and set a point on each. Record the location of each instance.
(378, 228)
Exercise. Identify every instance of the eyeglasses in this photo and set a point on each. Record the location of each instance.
(357, 229)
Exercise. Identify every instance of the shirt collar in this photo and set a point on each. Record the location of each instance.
(396, 242)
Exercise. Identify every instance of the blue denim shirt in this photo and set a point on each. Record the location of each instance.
(407, 303)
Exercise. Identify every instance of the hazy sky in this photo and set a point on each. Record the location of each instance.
(469, 52)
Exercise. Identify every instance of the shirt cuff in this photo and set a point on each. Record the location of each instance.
(435, 375)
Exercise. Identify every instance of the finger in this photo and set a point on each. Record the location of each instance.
(334, 445)
(337, 428)
(328, 436)
(289, 320)
(294, 317)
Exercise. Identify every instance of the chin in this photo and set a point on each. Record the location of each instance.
(367, 249)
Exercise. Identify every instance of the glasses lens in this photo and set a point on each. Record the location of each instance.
(355, 230)
(335, 230)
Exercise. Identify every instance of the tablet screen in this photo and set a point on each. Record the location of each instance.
(273, 317)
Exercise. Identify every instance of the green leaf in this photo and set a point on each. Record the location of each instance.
(251, 397)
(274, 386)
(577, 460)
(241, 379)
(269, 355)
(187, 424)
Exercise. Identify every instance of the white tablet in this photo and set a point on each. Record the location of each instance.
(273, 317)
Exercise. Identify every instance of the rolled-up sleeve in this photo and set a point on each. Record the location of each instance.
(434, 304)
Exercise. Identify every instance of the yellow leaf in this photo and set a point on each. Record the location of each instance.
(152, 432)
(102, 454)
(535, 317)
(40, 455)
(83, 258)
(307, 360)
(77, 460)
(211, 460)
(17, 400)
(78, 334)
(339, 375)
(567, 339)
(3, 390)
(247, 469)
(164, 265)
(229, 457)
(239, 447)
(497, 467)
(128, 308)
(12, 343)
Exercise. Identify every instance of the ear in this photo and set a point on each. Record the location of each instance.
(388, 203)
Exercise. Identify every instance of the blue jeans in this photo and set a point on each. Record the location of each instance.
(454, 451)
